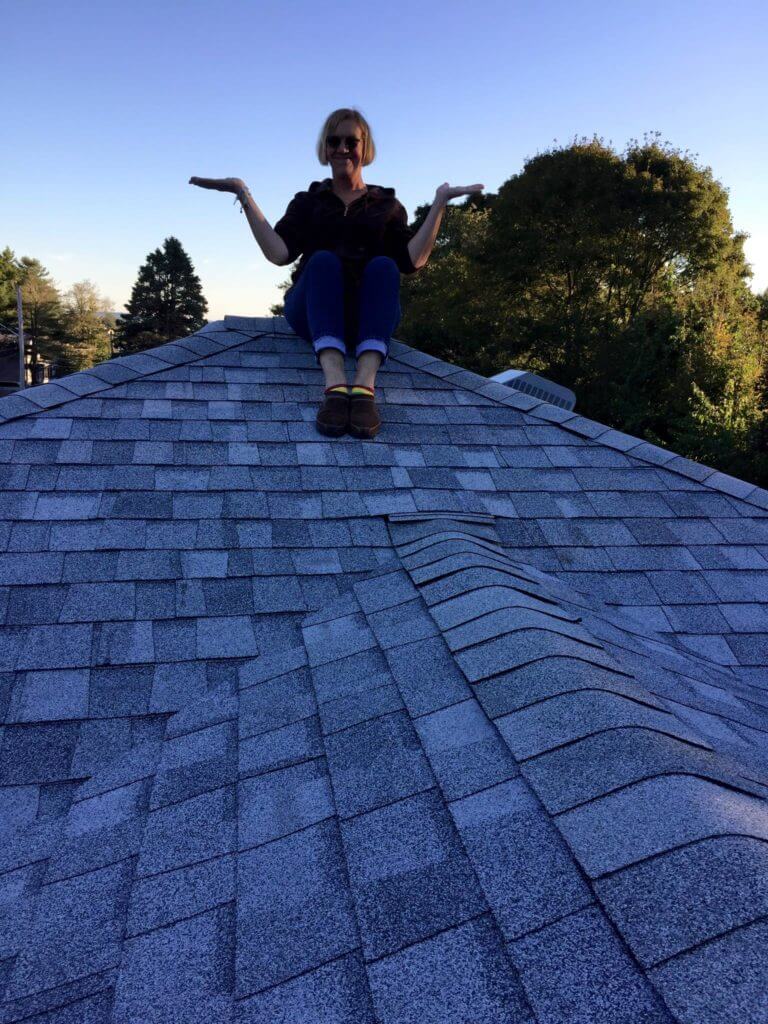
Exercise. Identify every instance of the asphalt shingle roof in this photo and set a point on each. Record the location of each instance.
(465, 723)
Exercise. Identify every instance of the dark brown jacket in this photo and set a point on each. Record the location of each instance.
(375, 224)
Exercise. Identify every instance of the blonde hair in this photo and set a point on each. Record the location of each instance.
(333, 121)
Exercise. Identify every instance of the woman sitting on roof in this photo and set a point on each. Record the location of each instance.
(354, 241)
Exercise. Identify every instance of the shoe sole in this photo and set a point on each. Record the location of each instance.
(330, 431)
(363, 433)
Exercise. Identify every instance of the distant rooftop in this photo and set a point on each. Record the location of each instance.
(465, 723)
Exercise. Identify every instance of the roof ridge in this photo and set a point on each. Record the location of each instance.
(665, 789)
(123, 369)
(636, 645)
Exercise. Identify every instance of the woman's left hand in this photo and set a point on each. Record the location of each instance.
(446, 191)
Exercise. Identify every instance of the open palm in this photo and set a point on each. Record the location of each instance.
(220, 184)
(446, 191)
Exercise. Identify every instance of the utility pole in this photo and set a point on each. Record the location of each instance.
(19, 313)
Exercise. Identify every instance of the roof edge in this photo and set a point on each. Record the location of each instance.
(216, 336)
(653, 454)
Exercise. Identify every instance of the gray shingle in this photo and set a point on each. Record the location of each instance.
(34, 604)
(655, 816)
(279, 748)
(318, 561)
(577, 970)
(570, 716)
(510, 620)
(525, 869)
(464, 750)
(689, 896)
(210, 710)
(273, 805)
(384, 591)
(56, 647)
(107, 810)
(294, 911)
(459, 975)
(277, 594)
(427, 676)
(222, 519)
(226, 637)
(335, 993)
(521, 647)
(31, 567)
(134, 766)
(402, 624)
(175, 685)
(609, 760)
(78, 927)
(177, 972)
(190, 832)
(359, 707)
(50, 696)
(121, 643)
(375, 763)
(352, 675)
(723, 981)
(410, 877)
(195, 763)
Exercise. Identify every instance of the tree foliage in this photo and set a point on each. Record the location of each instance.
(10, 276)
(618, 275)
(87, 328)
(41, 304)
(73, 330)
(166, 301)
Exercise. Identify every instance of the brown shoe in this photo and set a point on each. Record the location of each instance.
(333, 415)
(364, 418)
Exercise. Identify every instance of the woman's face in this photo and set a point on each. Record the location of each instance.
(346, 158)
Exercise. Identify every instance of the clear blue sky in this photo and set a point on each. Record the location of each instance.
(114, 105)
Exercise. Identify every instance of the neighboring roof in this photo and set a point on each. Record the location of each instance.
(465, 723)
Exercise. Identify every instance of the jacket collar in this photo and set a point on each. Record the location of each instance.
(374, 191)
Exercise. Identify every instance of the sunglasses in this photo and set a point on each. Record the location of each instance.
(334, 141)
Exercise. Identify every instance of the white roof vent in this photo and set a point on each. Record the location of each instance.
(537, 387)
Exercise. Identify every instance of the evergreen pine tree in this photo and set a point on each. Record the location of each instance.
(166, 302)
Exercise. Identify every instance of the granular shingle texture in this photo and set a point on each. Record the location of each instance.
(467, 723)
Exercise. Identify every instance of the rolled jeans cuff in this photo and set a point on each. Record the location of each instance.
(373, 345)
(328, 341)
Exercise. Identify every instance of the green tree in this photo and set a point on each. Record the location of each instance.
(10, 276)
(87, 328)
(619, 275)
(166, 301)
(42, 308)
(450, 306)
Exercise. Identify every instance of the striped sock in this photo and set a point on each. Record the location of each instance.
(336, 387)
(361, 389)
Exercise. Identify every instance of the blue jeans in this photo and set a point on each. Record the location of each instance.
(314, 305)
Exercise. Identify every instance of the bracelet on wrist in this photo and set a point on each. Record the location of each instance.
(240, 195)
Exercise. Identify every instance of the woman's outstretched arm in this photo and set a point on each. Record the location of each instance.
(272, 245)
(420, 246)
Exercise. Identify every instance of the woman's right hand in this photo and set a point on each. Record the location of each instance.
(220, 184)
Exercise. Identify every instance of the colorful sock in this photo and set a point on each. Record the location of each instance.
(337, 387)
(361, 389)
